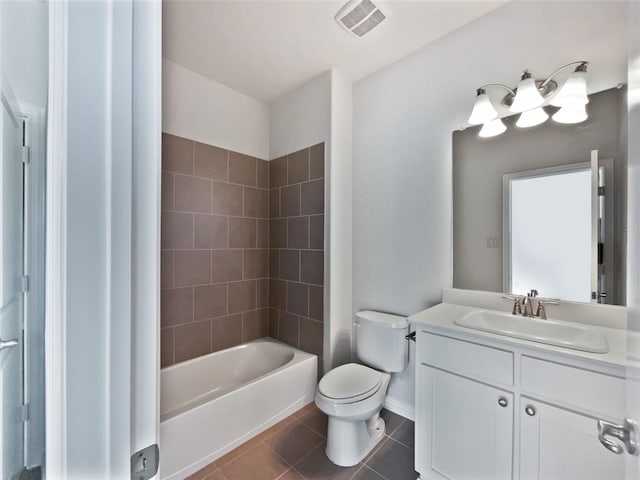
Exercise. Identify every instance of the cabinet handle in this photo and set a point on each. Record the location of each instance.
(626, 433)
(503, 402)
(530, 410)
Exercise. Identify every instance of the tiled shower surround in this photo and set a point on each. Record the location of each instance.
(215, 241)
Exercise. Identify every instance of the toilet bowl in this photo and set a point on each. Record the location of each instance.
(353, 394)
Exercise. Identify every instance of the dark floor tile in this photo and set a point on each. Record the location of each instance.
(260, 463)
(203, 472)
(316, 421)
(217, 475)
(310, 407)
(405, 434)
(316, 465)
(393, 461)
(365, 473)
(291, 475)
(391, 421)
(294, 442)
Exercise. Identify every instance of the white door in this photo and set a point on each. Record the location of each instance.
(468, 428)
(11, 296)
(559, 444)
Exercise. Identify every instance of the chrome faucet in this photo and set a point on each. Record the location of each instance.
(524, 305)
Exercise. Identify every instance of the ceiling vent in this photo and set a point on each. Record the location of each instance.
(359, 17)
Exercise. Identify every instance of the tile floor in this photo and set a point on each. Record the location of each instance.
(294, 450)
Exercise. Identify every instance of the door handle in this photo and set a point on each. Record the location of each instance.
(626, 433)
(8, 343)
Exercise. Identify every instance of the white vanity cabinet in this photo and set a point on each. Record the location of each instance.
(489, 409)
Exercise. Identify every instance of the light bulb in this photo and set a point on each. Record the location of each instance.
(571, 114)
(483, 110)
(531, 118)
(574, 91)
(527, 95)
(492, 128)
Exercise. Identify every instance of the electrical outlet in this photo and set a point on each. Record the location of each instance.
(493, 242)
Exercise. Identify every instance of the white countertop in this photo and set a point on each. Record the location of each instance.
(440, 318)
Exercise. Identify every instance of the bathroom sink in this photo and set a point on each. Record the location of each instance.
(551, 332)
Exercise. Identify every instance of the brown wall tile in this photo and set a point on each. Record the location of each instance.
(210, 301)
(262, 233)
(316, 302)
(288, 328)
(176, 306)
(167, 191)
(176, 230)
(256, 264)
(311, 336)
(278, 233)
(166, 268)
(273, 323)
(242, 296)
(316, 161)
(226, 265)
(290, 265)
(312, 267)
(274, 203)
(177, 154)
(274, 263)
(277, 294)
(256, 203)
(242, 232)
(263, 292)
(255, 324)
(298, 232)
(263, 173)
(211, 162)
(211, 231)
(192, 194)
(166, 347)
(278, 172)
(290, 201)
(226, 332)
(298, 167)
(242, 169)
(312, 198)
(316, 232)
(227, 199)
(298, 298)
(192, 340)
(191, 267)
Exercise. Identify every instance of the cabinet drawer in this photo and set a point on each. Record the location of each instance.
(573, 386)
(466, 358)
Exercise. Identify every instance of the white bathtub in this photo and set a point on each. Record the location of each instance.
(212, 404)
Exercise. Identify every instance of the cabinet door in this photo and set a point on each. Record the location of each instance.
(465, 428)
(559, 444)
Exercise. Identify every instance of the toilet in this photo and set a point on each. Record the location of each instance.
(352, 395)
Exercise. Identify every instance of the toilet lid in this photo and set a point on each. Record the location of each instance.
(350, 382)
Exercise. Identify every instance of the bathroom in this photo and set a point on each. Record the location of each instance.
(365, 135)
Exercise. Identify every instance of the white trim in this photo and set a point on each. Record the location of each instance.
(400, 408)
(56, 245)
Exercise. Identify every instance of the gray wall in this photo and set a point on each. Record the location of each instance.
(478, 167)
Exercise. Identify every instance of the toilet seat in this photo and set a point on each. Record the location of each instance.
(350, 383)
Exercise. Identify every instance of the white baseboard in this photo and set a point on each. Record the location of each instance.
(403, 409)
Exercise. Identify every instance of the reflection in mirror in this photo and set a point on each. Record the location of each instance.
(479, 167)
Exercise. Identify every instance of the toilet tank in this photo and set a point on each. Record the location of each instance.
(380, 340)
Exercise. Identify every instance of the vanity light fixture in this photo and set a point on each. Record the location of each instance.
(529, 99)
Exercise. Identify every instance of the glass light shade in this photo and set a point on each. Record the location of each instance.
(571, 114)
(492, 128)
(527, 96)
(573, 93)
(531, 118)
(483, 110)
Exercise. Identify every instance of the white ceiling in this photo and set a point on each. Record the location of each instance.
(266, 48)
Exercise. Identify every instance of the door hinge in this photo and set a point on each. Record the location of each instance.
(601, 191)
(24, 411)
(24, 283)
(25, 154)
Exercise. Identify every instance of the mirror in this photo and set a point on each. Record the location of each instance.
(480, 226)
